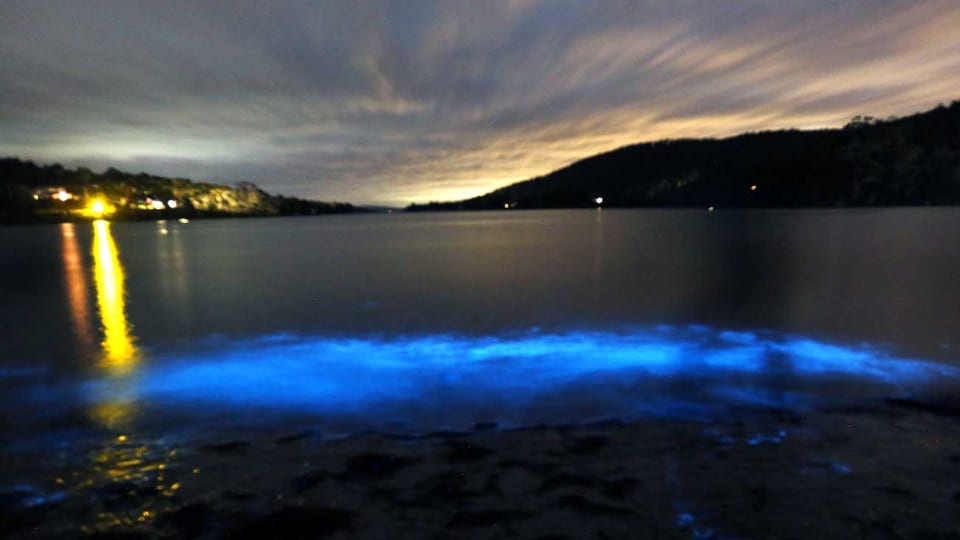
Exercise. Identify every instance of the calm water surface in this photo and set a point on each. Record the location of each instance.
(440, 320)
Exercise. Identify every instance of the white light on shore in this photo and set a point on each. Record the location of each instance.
(171, 203)
(598, 200)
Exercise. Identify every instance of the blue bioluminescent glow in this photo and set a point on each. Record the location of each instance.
(434, 380)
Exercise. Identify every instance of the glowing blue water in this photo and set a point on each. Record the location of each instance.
(432, 381)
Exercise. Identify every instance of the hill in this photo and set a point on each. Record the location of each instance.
(913, 160)
(32, 192)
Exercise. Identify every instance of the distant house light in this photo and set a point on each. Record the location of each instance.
(157, 205)
(506, 205)
(598, 200)
(753, 187)
(171, 203)
(63, 196)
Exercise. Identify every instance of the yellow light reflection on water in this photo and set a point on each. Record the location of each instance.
(120, 353)
(123, 459)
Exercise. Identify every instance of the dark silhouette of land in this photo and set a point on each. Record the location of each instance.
(31, 192)
(914, 160)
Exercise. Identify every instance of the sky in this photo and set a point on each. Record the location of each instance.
(413, 101)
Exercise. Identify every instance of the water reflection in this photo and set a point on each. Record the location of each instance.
(120, 353)
(125, 471)
(76, 280)
(172, 281)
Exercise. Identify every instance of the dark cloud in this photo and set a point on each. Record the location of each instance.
(404, 101)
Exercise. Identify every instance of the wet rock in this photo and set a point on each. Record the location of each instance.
(621, 487)
(189, 521)
(123, 494)
(758, 497)
(821, 468)
(443, 487)
(300, 522)
(948, 407)
(491, 485)
(589, 444)
(485, 426)
(565, 480)
(463, 451)
(309, 480)
(20, 520)
(296, 437)
(539, 468)
(117, 535)
(231, 447)
(443, 434)
(593, 508)
(896, 490)
(375, 466)
(486, 518)
(238, 496)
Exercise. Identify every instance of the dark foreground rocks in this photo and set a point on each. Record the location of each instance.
(885, 471)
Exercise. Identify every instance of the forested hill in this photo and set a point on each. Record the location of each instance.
(912, 160)
(31, 192)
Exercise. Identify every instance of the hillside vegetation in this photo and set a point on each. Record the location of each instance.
(913, 160)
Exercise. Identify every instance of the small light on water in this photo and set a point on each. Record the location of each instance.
(184, 220)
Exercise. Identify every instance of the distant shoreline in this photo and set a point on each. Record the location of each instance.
(443, 207)
(51, 219)
(32, 193)
(146, 217)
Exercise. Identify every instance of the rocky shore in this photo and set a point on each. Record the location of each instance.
(887, 470)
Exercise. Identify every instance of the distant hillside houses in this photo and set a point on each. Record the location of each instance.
(29, 191)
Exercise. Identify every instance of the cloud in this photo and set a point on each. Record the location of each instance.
(411, 101)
